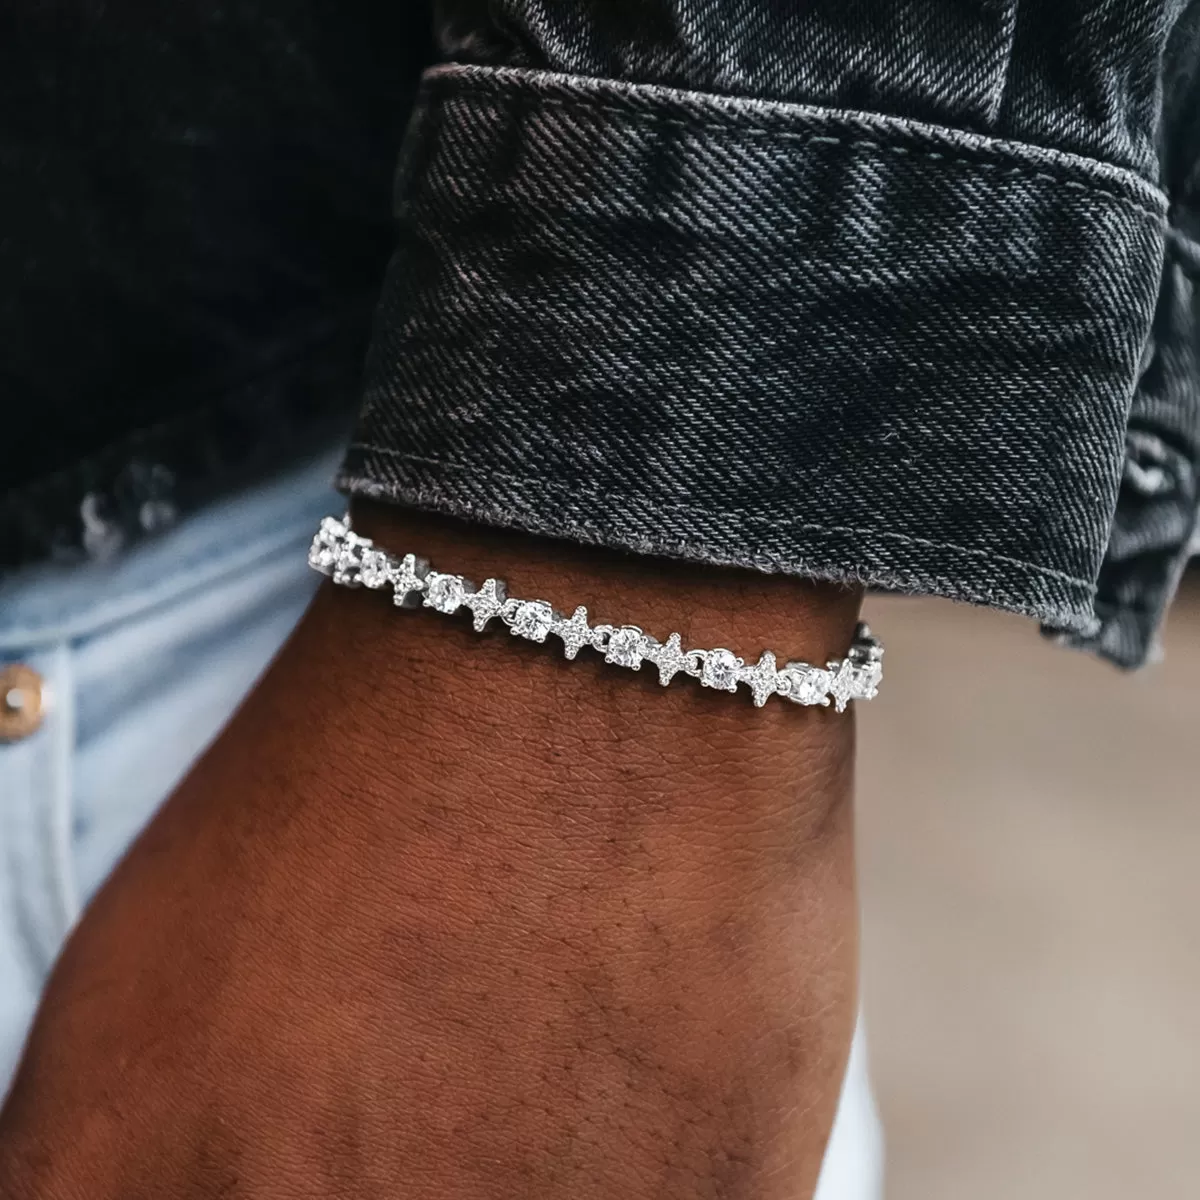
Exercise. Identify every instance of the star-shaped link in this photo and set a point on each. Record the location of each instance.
(669, 658)
(349, 559)
(486, 603)
(355, 561)
(762, 678)
(844, 684)
(407, 581)
(325, 545)
(575, 633)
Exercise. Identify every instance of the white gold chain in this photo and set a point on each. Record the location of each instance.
(355, 561)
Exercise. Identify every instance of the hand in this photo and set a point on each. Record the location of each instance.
(443, 916)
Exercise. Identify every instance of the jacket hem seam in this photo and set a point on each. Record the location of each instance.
(1085, 588)
(467, 80)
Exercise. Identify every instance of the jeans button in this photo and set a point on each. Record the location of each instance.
(22, 701)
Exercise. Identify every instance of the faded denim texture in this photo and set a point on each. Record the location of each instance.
(856, 291)
(900, 291)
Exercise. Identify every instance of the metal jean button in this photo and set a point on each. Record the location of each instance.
(22, 701)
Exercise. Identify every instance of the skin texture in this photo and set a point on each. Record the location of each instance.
(442, 916)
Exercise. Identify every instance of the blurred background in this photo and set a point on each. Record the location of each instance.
(1029, 830)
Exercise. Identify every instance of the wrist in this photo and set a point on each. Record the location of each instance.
(538, 926)
(691, 851)
(558, 717)
(707, 604)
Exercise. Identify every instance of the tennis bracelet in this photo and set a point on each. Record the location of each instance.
(355, 561)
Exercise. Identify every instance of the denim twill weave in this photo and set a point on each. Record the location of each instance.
(838, 344)
(900, 291)
(893, 290)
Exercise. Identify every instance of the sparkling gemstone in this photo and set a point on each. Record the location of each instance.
(374, 570)
(330, 532)
(669, 658)
(533, 620)
(626, 647)
(347, 562)
(486, 603)
(720, 670)
(762, 678)
(575, 633)
(322, 555)
(409, 581)
(867, 677)
(809, 685)
(843, 686)
(445, 592)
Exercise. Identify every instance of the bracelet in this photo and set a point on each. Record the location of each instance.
(354, 561)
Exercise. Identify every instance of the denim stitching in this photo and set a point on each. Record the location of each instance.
(1073, 614)
(429, 100)
(811, 526)
(623, 97)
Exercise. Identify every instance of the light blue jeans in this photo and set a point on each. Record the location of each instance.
(144, 659)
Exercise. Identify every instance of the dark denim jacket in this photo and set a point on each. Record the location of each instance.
(900, 292)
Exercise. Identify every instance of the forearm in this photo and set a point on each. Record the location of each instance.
(523, 927)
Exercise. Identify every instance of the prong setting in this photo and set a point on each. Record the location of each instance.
(374, 569)
(486, 604)
(626, 647)
(532, 620)
(762, 678)
(354, 561)
(669, 658)
(720, 670)
(408, 581)
(575, 632)
(446, 593)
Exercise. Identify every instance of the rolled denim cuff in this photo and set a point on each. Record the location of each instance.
(1154, 532)
(822, 342)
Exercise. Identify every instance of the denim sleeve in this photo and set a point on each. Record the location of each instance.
(894, 291)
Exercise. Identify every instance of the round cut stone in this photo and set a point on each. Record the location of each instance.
(533, 620)
(720, 670)
(626, 647)
(373, 570)
(444, 592)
